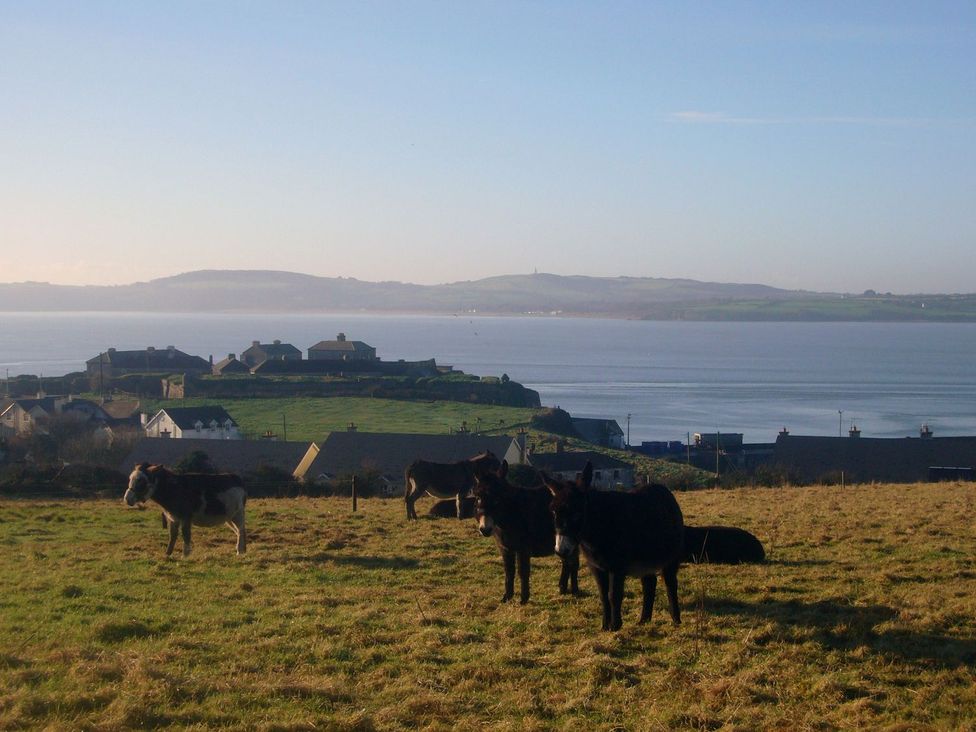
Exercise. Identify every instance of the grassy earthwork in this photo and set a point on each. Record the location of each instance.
(864, 617)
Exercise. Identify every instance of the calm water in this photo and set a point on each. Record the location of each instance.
(672, 377)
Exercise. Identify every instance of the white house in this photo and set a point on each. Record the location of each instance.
(202, 423)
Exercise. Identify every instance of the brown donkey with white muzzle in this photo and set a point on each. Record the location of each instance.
(191, 498)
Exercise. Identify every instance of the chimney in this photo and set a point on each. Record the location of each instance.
(111, 351)
(143, 419)
(784, 432)
(520, 443)
(854, 431)
(925, 433)
(231, 357)
(255, 344)
(341, 338)
(277, 342)
(150, 349)
(352, 427)
(211, 359)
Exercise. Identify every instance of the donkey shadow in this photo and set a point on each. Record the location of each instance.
(825, 617)
(362, 561)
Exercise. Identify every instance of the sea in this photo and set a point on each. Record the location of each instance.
(659, 380)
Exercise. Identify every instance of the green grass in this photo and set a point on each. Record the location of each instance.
(865, 617)
(312, 418)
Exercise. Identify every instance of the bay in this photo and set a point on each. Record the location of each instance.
(672, 378)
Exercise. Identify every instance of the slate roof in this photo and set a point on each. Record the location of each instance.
(563, 462)
(157, 359)
(234, 456)
(597, 430)
(187, 417)
(389, 454)
(343, 346)
(864, 459)
(230, 366)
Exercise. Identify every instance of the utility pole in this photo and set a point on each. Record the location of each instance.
(717, 440)
(628, 431)
(840, 422)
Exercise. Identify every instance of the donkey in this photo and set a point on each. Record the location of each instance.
(639, 534)
(722, 545)
(444, 480)
(520, 521)
(190, 498)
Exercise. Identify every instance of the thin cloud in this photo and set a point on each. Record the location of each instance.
(721, 118)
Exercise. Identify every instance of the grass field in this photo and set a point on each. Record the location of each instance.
(312, 418)
(864, 617)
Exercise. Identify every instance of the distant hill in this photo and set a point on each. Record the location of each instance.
(625, 297)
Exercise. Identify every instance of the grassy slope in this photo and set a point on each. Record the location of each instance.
(864, 617)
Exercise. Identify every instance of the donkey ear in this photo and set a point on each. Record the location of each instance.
(587, 477)
(142, 466)
(503, 469)
(549, 483)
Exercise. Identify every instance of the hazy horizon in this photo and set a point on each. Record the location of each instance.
(405, 282)
(826, 147)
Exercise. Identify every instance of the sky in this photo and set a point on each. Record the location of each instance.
(809, 145)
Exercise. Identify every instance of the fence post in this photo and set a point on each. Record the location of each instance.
(354, 493)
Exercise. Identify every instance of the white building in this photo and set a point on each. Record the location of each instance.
(202, 423)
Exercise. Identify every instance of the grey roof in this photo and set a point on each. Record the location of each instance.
(157, 359)
(345, 346)
(273, 350)
(187, 417)
(48, 404)
(562, 462)
(235, 456)
(596, 430)
(231, 366)
(389, 453)
(863, 459)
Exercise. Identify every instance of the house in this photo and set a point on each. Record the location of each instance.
(608, 472)
(23, 416)
(867, 459)
(230, 365)
(169, 360)
(388, 454)
(602, 432)
(232, 456)
(341, 350)
(203, 423)
(276, 351)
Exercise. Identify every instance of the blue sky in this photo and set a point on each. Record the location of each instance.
(824, 146)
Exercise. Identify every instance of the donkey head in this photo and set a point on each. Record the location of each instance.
(569, 508)
(140, 483)
(490, 491)
(484, 462)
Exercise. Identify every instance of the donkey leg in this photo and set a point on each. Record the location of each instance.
(564, 576)
(174, 531)
(457, 504)
(649, 587)
(508, 558)
(573, 563)
(616, 599)
(524, 568)
(671, 582)
(187, 544)
(603, 584)
(409, 498)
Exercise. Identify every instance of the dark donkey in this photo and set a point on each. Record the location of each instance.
(639, 534)
(444, 480)
(521, 522)
(191, 498)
